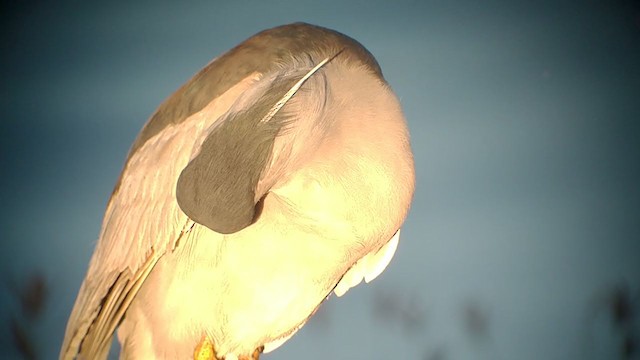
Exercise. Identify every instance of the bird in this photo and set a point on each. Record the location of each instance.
(279, 174)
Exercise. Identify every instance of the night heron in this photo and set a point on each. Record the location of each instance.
(278, 174)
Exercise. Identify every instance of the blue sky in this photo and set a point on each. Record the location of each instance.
(523, 117)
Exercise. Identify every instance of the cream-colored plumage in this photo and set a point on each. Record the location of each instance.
(332, 196)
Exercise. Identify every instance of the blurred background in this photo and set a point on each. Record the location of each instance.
(523, 240)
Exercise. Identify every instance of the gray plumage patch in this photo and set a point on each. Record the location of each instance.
(217, 188)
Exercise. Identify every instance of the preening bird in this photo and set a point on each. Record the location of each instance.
(280, 173)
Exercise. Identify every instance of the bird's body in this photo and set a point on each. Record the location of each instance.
(327, 191)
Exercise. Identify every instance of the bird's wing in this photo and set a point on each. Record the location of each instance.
(142, 222)
(95, 331)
